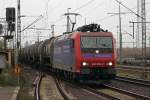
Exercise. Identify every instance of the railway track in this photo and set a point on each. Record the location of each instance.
(132, 94)
(114, 97)
(98, 92)
(134, 81)
(94, 91)
(37, 86)
(134, 72)
(134, 68)
(71, 91)
(89, 90)
(61, 90)
(101, 93)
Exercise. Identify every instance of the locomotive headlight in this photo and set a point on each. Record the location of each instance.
(97, 51)
(110, 63)
(84, 64)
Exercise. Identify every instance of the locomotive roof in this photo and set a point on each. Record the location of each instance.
(63, 37)
(74, 34)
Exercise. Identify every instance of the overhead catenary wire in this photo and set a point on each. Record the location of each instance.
(40, 17)
(56, 6)
(92, 10)
(60, 3)
(84, 5)
(128, 8)
(104, 18)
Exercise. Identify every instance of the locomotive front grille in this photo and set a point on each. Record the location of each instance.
(98, 73)
(96, 70)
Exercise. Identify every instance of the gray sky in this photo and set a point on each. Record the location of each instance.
(94, 11)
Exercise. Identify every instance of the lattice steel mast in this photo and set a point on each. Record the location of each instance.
(143, 14)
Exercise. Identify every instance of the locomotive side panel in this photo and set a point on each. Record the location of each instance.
(63, 57)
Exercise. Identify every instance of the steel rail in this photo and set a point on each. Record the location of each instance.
(61, 90)
(101, 93)
(128, 93)
(133, 81)
(37, 88)
(136, 68)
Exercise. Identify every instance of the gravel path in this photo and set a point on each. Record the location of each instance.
(48, 89)
(6, 93)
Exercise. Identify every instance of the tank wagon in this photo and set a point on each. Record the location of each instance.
(87, 54)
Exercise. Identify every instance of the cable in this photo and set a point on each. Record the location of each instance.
(105, 18)
(40, 17)
(60, 3)
(84, 5)
(128, 9)
(97, 6)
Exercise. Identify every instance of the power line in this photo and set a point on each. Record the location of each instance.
(39, 28)
(56, 6)
(112, 14)
(84, 5)
(40, 17)
(128, 8)
(104, 18)
(95, 8)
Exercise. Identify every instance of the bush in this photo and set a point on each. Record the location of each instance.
(6, 78)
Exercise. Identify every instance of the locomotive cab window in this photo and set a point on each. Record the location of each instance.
(91, 42)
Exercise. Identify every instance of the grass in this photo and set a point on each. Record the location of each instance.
(24, 94)
(25, 87)
(6, 77)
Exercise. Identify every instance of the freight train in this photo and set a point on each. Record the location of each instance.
(87, 54)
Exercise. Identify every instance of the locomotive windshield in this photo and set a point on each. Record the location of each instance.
(88, 42)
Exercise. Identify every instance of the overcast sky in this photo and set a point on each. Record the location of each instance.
(91, 10)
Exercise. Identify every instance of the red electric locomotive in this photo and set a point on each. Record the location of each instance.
(85, 55)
